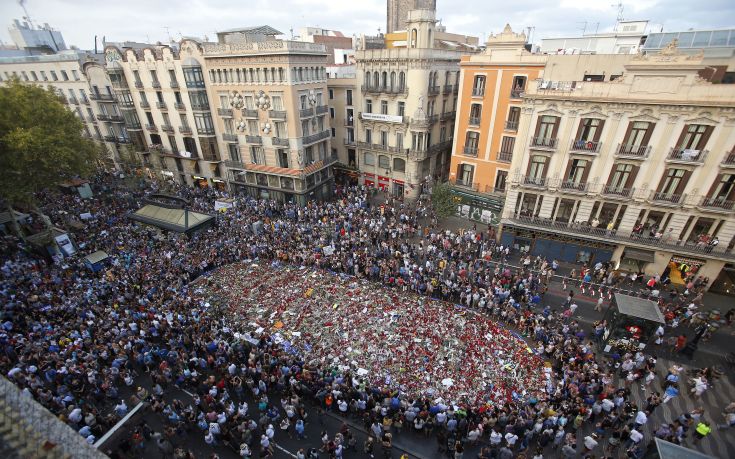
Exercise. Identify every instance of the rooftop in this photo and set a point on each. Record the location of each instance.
(639, 307)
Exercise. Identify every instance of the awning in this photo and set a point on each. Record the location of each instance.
(639, 307)
(639, 254)
(667, 450)
(96, 257)
(179, 220)
(689, 261)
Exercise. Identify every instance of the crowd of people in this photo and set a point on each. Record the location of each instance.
(90, 345)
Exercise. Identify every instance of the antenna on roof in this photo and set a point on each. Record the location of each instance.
(620, 8)
(168, 34)
(27, 17)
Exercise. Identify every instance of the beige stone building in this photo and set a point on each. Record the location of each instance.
(407, 109)
(344, 95)
(633, 163)
(82, 83)
(163, 97)
(269, 105)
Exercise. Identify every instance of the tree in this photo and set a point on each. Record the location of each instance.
(41, 142)
(442, 200)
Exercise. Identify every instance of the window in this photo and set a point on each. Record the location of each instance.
(190, 145)
(537, 167)
(519, 85)
(159, 96)
(478, 86)
(383, 162)
(305, 127)
(303, 103)
(334, 132)
(506, 144)
(177, 96)
(694, 137)
(283, 159)
(53, 76)
(277, 102)
(443, 134)
(64, 75)
(148, 117)
(401, 81)
(672, 183)
(199, 100)
(401, 109)
(331, 94)
(472, 141)
(399, 165)
(203, 122)
(475, 113)
(280, 129)
(639, 133)
(384, 138)
(234, 151)
(399, 140)
(465, 174)
(621, 177)
(172, 143)
(75, 75)
(368, 135)
(576, 173)
(500, 180)
(43, 75)
(256, 155)
(33, 75)
(590, 130)
(154, 76)
(172, 75)
(349, 97)
(184, 120)
(320, 123)
(224, 101)
(331, 112)
(369, 159)
(546, 128)
(368, 106)
(194, 77)
(384, 107)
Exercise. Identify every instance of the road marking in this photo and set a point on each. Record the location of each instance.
(280, 448)
(117, 426)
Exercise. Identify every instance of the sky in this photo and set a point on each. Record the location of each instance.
(157, 20)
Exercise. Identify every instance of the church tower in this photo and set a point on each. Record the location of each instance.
(398, 12)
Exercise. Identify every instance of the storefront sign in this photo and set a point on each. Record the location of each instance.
(381, 117)
(383, 179)
(368, 174)
(398, 181)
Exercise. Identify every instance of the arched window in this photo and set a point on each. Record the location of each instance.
(448, 78)
(384, 80)
(376, 79)
(369, 159)
(399, 165)
(402, 81)
(367, 79)
(392, 81)
(414, 35)
(301, 74)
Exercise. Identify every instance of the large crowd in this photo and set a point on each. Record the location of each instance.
(81, 342)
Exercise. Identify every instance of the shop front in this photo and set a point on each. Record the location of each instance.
(680, 268)
(399, 187)
(561, 247)
(483, 209)
(636, 260)
(383, 183)
(368, 179)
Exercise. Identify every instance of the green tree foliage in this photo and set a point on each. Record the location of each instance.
(41, 142)
(442, 200)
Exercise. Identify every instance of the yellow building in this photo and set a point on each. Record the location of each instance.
(488, 111)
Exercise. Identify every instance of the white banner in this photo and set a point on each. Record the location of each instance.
(381, 117)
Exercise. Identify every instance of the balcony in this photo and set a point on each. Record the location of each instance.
(384, 90)
(465, 184)
(447, 89)
(321, 109)
(247, 113)
(474, 121)
(470, 151)
(139, 84)
(448, 115)
(200, 107)
(254, 139)
(273, 114)
(544, 143)
(585, 146)
(117, 119)
(633, 151)
(234, 164)
(570, 186)
(174, 84)
(186, 130)
(504, 156)
(614, 236)
(433, 90)
(617, 192)
(144, 104)
(195, 84)
(151, 127)
(717, 204)
(666, 198)
(511, 126)
(686, 156)
(179, 106)
(156, 84)
(161, 105)
(134, 127)
(517, 93)
(167, 128)
(229, 137)
(279, 142)
(102, 117)
(306, 112)
(534, 182)
(206, 132)
(313, 138)
(478, 92)
(102, 97)
(84, 100)
(226, 112)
